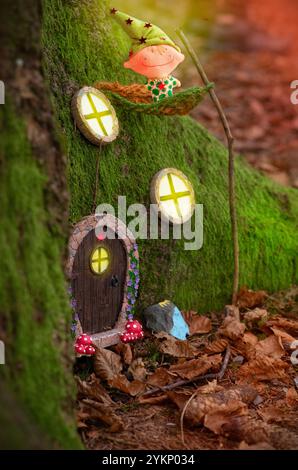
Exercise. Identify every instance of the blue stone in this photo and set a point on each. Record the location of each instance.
(180, 328)
(165, 316)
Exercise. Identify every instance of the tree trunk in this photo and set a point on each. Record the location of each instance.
(56, 48)
(37, 393)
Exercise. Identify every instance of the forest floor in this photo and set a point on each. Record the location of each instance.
(131, 396)
(127, 395)
(252, 58)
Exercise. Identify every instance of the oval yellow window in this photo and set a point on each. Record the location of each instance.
(99, 261)
(174, 195)
(95, 116)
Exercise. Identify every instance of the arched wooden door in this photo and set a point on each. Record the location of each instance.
(98, 279)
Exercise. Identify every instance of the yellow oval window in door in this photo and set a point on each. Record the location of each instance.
(100, 260)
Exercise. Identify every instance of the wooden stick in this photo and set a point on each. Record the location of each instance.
(230, 141)
(219, 375)
(183, 413)
(96, 179)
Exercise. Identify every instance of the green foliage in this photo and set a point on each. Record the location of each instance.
(82, 46)
(133, 285)
(33, 301)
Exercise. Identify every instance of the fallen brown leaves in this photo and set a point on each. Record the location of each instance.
(96, 404)
(250, 299)
(216, 346)
(246, 346)
(292, 398)
(285, 340)
(289, 326)
(254, 406)
(137, 369)
(198, 324)
(270, 347)
(232, 328)
(174, 347)
(133, 388)
(263, 368)
(160, 378)
(204, 405)
(255, 316)
(196, 367)
(222, 415)
(92, 410)
(108, 365)
(125, 352)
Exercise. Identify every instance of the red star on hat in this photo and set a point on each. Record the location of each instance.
(142, 40)
(129, 21)
(148, 25)
(113, 11)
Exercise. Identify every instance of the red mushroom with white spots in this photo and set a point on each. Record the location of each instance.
(83, 345)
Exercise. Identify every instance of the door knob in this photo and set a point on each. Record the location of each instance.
(114, 281)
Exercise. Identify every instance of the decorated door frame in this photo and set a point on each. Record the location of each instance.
(80, 231)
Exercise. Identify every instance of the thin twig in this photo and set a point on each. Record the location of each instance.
(183, 413)
(230, 141)
(224, 364)
(219, 377)
(96, 179)
(180, 383)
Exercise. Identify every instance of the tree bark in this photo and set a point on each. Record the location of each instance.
(34, 312)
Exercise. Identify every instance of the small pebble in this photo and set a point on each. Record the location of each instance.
(238, 360)
(258, 400)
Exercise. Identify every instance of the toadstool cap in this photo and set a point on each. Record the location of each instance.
(142, 33)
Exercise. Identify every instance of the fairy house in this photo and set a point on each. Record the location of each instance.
(82, 45)
(149, 138)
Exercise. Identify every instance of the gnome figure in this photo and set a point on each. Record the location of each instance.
(153, 54)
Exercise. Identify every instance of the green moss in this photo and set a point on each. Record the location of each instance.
(83, 45)
(17, 430)
(33, 300)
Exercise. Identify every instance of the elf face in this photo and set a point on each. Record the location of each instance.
(155, 61)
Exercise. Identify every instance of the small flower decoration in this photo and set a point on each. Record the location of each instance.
(134, 278)
(133, 329)
(75, 317)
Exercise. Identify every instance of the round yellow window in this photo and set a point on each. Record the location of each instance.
(174, 195)
(99, 261)
(95, 116)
